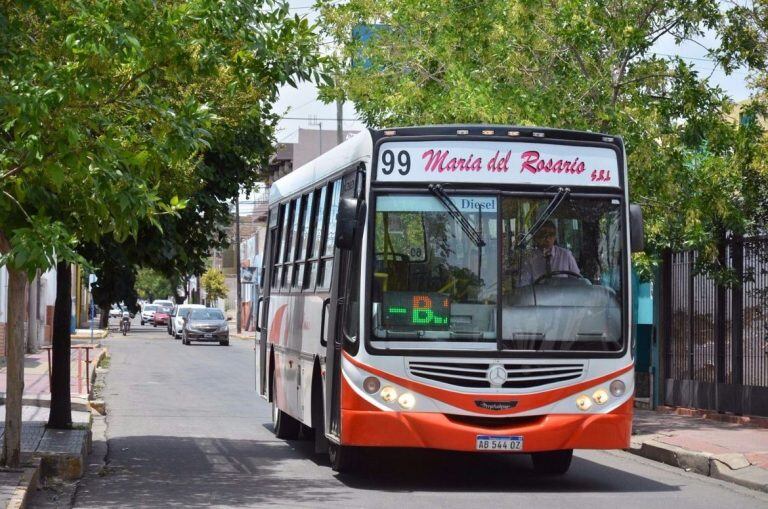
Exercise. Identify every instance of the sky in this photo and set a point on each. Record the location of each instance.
(300, 107)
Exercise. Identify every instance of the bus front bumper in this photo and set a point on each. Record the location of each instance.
(374, 428)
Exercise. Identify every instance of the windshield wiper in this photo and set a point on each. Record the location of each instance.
(469, 230)
(562, 194)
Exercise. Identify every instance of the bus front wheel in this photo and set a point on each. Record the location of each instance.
(552, 462)
(343, 457)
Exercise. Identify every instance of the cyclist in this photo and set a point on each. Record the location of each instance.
(125, 323)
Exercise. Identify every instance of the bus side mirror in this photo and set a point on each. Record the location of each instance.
(636, 238)
(347, 221)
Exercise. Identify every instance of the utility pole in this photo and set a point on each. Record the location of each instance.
(339, 121)
(237, 256)
(314, 121)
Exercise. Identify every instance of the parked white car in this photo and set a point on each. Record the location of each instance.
(148, 313)
(115, 312)
(177, 320)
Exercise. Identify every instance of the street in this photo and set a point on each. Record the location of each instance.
(186, 428)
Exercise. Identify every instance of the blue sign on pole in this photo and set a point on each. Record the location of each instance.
(364, 34)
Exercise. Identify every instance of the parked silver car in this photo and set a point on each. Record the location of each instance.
(207, 324)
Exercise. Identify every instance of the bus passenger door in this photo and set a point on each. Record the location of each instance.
(262, 305)
(343, 293)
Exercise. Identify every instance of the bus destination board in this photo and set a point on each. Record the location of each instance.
(416, 310)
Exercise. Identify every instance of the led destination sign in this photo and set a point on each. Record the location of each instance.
(497, 162)
(416, 310)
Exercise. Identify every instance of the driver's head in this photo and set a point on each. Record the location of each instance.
(545, 237)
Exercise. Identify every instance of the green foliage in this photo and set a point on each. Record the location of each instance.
(106, 108)
(213, 284)
(573, 64)
(151, 285)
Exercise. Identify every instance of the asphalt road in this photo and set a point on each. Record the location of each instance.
(185, 428)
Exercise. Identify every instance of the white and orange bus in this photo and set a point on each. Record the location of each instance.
(461, 287)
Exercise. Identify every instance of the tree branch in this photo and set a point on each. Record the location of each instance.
(13, 171)
(14, 200)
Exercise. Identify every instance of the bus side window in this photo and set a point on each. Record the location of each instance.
(278, 249)
(306, 240)
(286, 245)
(326, 265)
(298, 240)
(319, 223)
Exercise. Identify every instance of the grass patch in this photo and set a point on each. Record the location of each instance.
(105, 362)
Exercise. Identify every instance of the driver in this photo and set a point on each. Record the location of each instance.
(546, 258)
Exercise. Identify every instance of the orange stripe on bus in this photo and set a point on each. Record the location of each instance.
(277, 324)
(466, 401)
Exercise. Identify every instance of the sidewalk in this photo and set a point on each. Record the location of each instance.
(37, 391)
(49, 452)
(732, 452)
(244, 334)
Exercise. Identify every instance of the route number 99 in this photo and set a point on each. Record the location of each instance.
(388, 162)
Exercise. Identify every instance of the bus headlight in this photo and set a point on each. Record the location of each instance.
(600, 396)
(388, 394)
(371, 385)
(583, 402)
(406, 400)
(617, 388)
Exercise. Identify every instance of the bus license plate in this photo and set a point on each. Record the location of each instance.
(499, 443)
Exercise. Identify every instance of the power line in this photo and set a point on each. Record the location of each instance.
(356, 119)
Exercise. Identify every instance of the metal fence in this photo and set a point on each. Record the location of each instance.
(716, 355)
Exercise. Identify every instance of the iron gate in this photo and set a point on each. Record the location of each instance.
(716, 353)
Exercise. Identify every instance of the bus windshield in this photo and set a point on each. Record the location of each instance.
(559, 288)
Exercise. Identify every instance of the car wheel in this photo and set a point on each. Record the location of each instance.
(552, 462)
(142, 322)
(224, 343)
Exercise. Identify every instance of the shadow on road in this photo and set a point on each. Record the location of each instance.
(199, 472)
(158, 471)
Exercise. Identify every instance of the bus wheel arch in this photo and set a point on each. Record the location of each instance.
(284, 425)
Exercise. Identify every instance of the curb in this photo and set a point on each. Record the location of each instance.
(78, 404)
(28, 481)
(86, 334)
(733, 468)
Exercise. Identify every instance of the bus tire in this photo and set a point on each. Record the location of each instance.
(285, 426)
(552, 462)
(343, 458)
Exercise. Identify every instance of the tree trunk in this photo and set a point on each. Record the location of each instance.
(61, 402)
(32, 322)
(104, 318)
(17, 286)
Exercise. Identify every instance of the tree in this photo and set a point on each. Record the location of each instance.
(575, 64)
(101, 105)
(151, 285)
(240, 144)
(213, 284)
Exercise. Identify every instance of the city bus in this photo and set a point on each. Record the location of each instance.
(456, 287)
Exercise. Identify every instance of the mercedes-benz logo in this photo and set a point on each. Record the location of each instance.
(497, 375)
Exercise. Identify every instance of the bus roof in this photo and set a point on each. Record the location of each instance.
(356, 149)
